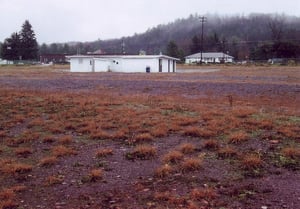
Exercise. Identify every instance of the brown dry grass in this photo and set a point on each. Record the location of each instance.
(143, 138)
(211, 144)
(173, 157)
(144, 152)
(15, 168)
(164, 171)
(23, 151)
(29, 117)
(8, 199)
(104, 152)
(95, 175)
(251, 161)
(53, 180)
(60, 151)
(238, 137)
(48, 161)
(65, 139)
(227, 152)
(291, 152)
(191, 164)
(187, 148)
(203, 194)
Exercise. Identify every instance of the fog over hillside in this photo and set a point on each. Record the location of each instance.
(240, 36)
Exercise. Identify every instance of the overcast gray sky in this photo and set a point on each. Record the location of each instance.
(89, 20)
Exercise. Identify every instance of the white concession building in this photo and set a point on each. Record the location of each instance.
(123, 63)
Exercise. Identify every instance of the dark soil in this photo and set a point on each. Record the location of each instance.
(132, 183)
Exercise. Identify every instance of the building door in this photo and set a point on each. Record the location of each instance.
(168, 65)
(174, 66)
(160, 65)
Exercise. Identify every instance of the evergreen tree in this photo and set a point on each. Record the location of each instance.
(11, 47)
(29, 45)
(43, 49)
(196, 45)
(172, 49)
(1, 49)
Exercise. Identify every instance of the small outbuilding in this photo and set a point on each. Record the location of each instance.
(209, 57)
(123, 63)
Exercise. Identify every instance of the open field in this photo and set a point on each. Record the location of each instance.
(224, 139)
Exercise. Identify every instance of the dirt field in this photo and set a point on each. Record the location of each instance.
(204, 139)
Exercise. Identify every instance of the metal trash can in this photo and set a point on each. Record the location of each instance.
(147, 69)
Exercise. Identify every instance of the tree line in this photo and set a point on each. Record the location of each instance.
(254, 37)
(21, 45)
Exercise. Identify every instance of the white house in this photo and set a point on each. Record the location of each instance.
(122, 63)
(209, 57)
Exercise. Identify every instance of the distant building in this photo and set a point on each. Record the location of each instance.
(209, 57)
(53, 58)
(6, 62)
(97, 52)
(123, 63)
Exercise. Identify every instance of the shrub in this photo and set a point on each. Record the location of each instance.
(143, 152)
(191, 131)
(104, 152)
(52, 180)
(291, 152)
(191, 164)
(65, 139)
(48, 161)
(163, 196)
(23, 151)
(206, 194)
(238, 137)
(211, 144)
(100, 135)
(164, 171)
(48, 139)
(251, 161)
(173, 157)
(60, 151)
(187, 148)
(16, 168)
(227, 152)
(95, 174)
(143, 138)
(2, 133)
(160, 131)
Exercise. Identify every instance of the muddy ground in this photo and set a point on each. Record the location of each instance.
(132, 183)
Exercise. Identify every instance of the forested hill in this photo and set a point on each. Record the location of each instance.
(258, 36)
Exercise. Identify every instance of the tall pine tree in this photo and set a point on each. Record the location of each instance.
(29, 45)
(11, 47)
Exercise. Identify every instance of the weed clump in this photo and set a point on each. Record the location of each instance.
(211, 144)
(142, 152)
(238, 137)
(60, 151)
(48, 161)
(191, 164)
(251, 161)
(187, 148)
(291, 152)
(203, 194)
(95, 175)
(143, 138)
(227, 152)
(104, 152)
(173, 157)
(164, 171)
(23, 151)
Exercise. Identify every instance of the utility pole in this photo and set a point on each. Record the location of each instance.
(202, 20)
(123, 47)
